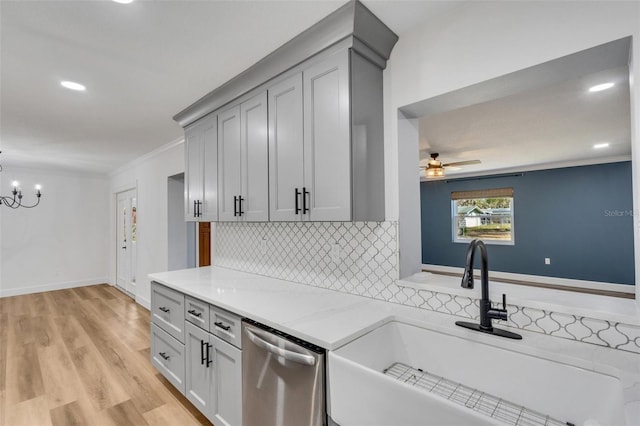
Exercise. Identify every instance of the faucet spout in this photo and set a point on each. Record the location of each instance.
(487, 313)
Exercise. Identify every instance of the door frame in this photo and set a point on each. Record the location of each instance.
(117, 248)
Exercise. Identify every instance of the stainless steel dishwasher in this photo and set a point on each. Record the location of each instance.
(282, 379)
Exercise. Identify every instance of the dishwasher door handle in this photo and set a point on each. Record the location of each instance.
(286, 354)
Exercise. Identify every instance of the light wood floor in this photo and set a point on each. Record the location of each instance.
(81, 357)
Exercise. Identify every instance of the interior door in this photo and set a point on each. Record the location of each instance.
(126, 227)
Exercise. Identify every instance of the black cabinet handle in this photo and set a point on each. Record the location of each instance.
(305, 209)
(164, 355)
(235, 205)
(297, 201)
(209, 361)
(195, 208)
(163, 309)
(222, 326)
(202, 357)
(194, 313)
(240, 200)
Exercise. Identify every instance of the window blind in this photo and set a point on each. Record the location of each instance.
(482, 193)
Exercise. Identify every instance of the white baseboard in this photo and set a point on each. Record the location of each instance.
(50, 287)
(143, 302)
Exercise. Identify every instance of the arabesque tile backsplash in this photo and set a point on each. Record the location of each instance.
(304, 252)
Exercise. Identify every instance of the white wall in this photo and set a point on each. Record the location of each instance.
(61, 242)
(150, 175)
(484, 40)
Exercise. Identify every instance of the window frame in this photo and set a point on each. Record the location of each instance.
(461, 240)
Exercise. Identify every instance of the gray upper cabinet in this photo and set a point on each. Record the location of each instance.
(229, 185)
(254, 157)
(201, 180)
(322, 162)
(243, 161)
(327, 153)
(286, 158)
(321, 156)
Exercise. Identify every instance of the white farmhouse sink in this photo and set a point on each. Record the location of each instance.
(361, 394)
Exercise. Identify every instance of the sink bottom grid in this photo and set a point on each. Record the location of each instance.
(492, 406)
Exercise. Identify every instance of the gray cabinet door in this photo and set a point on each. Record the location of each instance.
(254, 154)
(193, 191)
(229, 164)
(201, 179)
(199, 374)
(209, 206)
(286, 155)
(327, 139)
(227, 383)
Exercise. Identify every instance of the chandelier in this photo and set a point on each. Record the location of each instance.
(15, 199)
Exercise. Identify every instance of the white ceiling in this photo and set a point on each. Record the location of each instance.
(550, 126)
(536, 118)
(141, 63)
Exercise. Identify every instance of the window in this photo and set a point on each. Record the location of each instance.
(485, 214)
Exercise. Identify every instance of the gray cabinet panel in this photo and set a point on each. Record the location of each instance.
(286, 154)
(209, 206)
(167, 355)
(167, 310)
(327, 142)
(227, 383)
(198, 374)
(194, 142)
(229, 163)
(201, 182)
(254, 160)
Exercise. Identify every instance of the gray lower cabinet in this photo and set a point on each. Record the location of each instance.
(213, 376)
(167, 355)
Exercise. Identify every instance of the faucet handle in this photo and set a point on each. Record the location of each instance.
(504, 302)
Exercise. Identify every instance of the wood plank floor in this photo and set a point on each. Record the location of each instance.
(81, 357)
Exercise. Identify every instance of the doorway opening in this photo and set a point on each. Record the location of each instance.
(182, 241)
(126, 240)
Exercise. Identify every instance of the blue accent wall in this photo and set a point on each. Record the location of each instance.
(580, 217)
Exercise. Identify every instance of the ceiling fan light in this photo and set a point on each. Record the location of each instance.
(434, 172)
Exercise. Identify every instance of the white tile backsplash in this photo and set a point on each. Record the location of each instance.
(368, 266)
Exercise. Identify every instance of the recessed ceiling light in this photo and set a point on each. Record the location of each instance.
(73, 86)
(600, 87)
(601, 145)
(123, 1)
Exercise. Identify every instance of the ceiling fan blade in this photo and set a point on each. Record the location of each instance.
(462, 163)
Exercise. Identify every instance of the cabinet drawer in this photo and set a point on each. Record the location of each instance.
(167, 355)
(196, 312)
(167, 310)
(226, 326)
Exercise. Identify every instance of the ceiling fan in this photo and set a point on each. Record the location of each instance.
(435, 168)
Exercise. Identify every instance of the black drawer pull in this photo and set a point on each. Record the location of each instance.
(202, 357)
(222, 326)
(194, 313)
(164, 355)
(163, 309)
(305, 209)
(297, 211)
(209, 361)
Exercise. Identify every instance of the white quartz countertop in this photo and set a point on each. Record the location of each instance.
(323, 317)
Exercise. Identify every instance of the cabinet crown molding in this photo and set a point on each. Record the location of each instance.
(352, 22)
